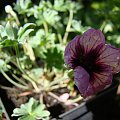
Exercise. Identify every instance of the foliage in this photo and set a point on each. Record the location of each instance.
(32, 41)
(33, 36)
(31, 111)
(107, 18)
(42, 39)
(11, 35)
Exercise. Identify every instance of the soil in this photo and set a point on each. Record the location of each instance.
(3, 117)
(55, 107)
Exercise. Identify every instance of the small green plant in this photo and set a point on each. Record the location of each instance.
(32, 59)
(31, 111)
(12, 39)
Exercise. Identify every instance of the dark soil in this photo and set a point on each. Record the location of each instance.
(3, 117)
(53, 105)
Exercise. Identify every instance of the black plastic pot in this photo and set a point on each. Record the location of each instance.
(104, 106)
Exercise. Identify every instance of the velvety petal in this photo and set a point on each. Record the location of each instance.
(91, 39)
(110, 55)
(99, 81)
(93, 83)
(81, 78)
(93, 62)
(72, 52)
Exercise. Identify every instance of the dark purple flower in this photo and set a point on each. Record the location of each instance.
(93, 61)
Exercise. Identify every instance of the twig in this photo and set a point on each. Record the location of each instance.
(25, 93)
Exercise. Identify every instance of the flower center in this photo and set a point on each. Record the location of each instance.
(88, 62)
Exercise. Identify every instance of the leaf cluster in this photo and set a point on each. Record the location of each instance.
(31, 110)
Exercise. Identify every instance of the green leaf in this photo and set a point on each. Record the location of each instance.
(37, 39)
(31, 110)
(2, 31)
(20, 111)
(24, 36)
(76, 25)
(39, 109)
(30, 104)
(40, 51)
(2, 63)
(60, 5)
(35, 11)
(27, 117)
(71, 74)
(22, 6)
(42, 114)
(54, 58)
(37, 72)
(22, 30)
(8, 42)
(51, 16)
(9, 31)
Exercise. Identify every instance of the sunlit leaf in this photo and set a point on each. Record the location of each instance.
(31, 111)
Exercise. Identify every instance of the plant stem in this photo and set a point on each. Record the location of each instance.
(76, 99)
(6, 88)
(25, 93)
(13, 82)
(57, 81)
(45, 27)
(19, 80)
(68, 27)
(16, 78)
(14, 15)
(41, 98)
(59, 38)
(58, 86)
(103, 25)
(54, 96)
(19, 65)
(28, 78)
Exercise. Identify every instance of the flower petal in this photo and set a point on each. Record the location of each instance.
(99, 81)
(91, 39)
(110, 55)
(80, 46)
(81, 78)
(72, 52)
(94, 83)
